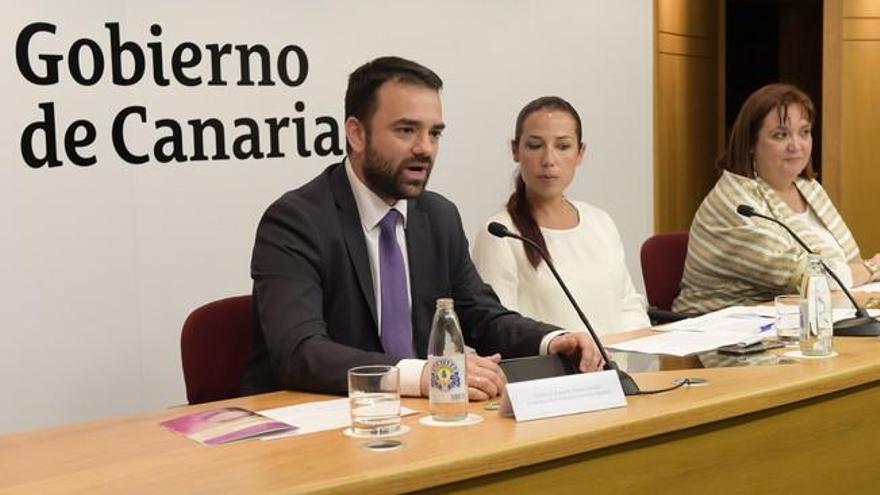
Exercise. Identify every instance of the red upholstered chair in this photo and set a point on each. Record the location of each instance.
(663, 258)
(214, 348)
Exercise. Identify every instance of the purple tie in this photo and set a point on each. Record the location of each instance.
(396, 321)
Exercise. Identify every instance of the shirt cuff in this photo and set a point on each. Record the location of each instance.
(411, 376)
(545, 342)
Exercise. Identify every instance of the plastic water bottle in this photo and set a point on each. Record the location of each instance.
(448, 395)
(816, 321)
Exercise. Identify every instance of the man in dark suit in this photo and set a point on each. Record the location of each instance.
(347, 268)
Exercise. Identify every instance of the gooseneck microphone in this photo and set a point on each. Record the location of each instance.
(861, 325)
(627, 383)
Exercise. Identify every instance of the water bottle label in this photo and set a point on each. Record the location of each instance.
(448, 379)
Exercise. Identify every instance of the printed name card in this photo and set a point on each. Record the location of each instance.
(562, 395)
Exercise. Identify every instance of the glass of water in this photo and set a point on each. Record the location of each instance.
(374, 400)
(788, 318)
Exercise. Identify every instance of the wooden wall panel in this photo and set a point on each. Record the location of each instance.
(691, 17)
(832, 27)
(861, 29)
(851, 170)
(859, 199)
(860, 8)
(687, 115)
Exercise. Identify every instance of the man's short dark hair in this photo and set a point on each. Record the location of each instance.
(364, 83)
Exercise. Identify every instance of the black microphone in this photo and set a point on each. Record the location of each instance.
(499, 230)
(627, 383)
(861, 325)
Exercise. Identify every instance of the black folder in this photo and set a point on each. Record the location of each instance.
(534, 367)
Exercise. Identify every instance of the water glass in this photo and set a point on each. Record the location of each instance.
(788, 318)
(374, 400)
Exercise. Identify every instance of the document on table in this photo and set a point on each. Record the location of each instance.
(739, 319)
(680, 343)
(840, 314)
(317, 416)
(837, 314)
(872, 287)
(734, 325)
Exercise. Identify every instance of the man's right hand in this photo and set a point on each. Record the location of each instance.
(485, 378)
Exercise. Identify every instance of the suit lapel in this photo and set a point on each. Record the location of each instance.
(420, 247)
(354, 235)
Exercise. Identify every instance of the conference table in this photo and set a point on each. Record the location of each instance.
(810, 426)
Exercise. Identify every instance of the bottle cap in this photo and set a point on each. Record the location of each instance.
(445, 302)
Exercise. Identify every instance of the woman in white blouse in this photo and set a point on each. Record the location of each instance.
(581, 239)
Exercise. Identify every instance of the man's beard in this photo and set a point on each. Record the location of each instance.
(381, 175)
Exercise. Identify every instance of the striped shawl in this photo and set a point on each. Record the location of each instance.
(736, 260)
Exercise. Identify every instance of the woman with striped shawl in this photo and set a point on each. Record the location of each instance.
(767, 165)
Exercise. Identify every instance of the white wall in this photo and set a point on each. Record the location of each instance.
(100, 265)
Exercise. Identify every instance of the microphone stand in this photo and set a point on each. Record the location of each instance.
(627, 383)
(862, 325)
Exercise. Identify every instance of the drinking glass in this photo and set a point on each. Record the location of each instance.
(788, 318)
(374, 399)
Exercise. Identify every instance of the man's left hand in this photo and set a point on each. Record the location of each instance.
(580, 348)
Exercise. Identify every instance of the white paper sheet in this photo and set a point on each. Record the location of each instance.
(837, 314)
(872, 287)
(680, 343)
(840, 314)
(740, 319)
(316, 416)
(733, 325)
(749, 320)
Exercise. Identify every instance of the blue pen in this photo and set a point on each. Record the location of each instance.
(754, 339)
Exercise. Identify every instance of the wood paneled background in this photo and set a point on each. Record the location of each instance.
(687, 125)
(688, 110)
(857, 180)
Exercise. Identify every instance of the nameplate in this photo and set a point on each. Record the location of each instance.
(562, 395)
